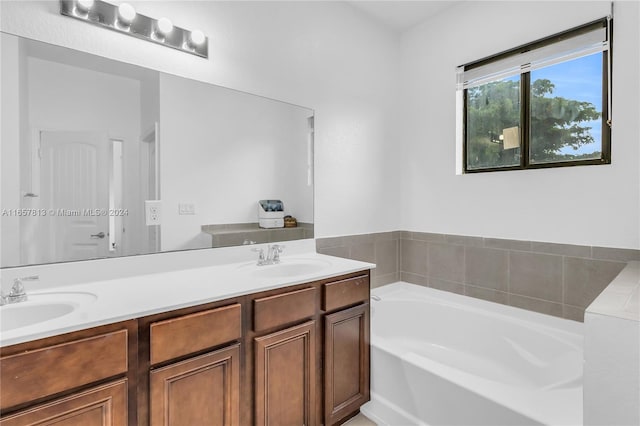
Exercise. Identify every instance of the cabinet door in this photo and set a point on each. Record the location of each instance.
(285, 377)
(346, 354)
(203, 390)
(102, 406)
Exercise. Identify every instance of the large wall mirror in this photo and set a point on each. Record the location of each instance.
(104, 159)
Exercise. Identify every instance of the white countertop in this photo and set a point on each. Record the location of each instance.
(621, 298)
(141, 295)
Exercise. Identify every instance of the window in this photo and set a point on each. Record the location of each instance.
(545, 104)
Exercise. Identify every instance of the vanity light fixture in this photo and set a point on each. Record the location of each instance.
(126, 15)
(196, 38)
(124, 19)
(164, 26)
(83, 7)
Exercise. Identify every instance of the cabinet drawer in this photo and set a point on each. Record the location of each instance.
(102, 406)
(346, 292)
(187, 334)
(35, 374)
(272, 311)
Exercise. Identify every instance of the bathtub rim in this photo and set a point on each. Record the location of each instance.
(562, 325)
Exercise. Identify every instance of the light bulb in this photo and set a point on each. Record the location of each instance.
(126, 13)
(164, 26)
(196, 37)
(84, 5)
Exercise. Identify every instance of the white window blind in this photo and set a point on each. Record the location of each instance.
(592, 41)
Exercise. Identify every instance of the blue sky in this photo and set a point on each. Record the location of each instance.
(579, 79)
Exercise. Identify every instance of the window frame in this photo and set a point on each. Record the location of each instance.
(525, 90)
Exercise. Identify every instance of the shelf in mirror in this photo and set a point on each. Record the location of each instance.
(235, 234)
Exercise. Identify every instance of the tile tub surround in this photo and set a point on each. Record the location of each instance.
(382, 248)
(555, 279)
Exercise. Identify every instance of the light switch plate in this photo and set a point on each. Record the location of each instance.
(153, 212)
(186, 209)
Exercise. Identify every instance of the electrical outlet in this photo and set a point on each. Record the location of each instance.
(186, 209)
(153, 212)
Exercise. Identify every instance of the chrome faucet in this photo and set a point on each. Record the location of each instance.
(272, 256)
(274, 253)
(18, 292)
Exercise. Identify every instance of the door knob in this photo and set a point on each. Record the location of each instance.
(99, 235)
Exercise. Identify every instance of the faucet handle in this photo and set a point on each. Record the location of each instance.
(18, 288)
(277, 250)
(260, 252)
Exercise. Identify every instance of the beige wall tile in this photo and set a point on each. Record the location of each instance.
(380, 280)
(573, 313)
(561, 249)
(414, 279)
(322, 243)
(617, 254)
(427, 236)
(557, 279)
(486, 267)
(586, 278)
(335, 251)
(464, 240)
(486, 294)
(536, 305)
(413, 257)
(391, 235)
(365, 252)
(536, 275)
(386, 256)
(500, 243)
(445, 285)
(446, 261)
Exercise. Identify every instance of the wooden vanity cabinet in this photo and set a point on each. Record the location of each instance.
(346, 347)
(294, 355)
(194, 368)
(285, 360)
(311, 352)
(80, 378)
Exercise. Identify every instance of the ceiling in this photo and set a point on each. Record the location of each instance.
(401, 15)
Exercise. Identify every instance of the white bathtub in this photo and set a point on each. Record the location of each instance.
(438, 358)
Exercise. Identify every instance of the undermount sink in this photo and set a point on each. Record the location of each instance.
(288, 268)
(41, 307)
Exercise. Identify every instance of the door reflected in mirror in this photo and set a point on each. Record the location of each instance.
(103, 159)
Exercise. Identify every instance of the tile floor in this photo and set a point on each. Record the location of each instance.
(359, 420)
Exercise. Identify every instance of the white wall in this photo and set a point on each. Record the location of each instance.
(222, 151)
(591, 205)
(323, 55)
